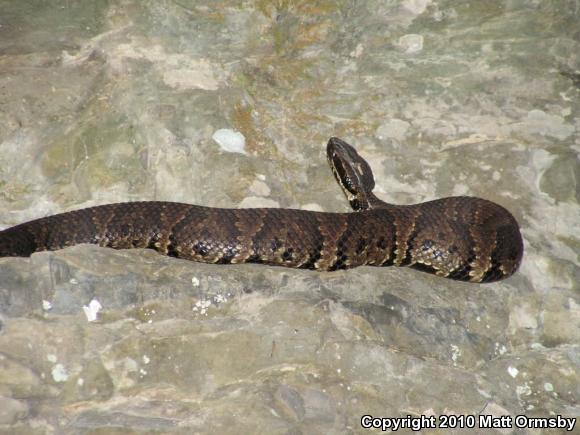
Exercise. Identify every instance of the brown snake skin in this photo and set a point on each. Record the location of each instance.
(462, 238)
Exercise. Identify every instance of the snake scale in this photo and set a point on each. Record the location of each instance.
(462, 238)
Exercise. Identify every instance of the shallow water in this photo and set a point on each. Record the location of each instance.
(107, 101)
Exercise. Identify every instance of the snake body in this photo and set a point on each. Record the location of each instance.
(463, 238)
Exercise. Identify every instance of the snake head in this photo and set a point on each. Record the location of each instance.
(352, 172)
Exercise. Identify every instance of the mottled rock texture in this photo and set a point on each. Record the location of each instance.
(107, 101)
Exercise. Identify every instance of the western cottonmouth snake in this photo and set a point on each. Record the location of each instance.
(463, 238)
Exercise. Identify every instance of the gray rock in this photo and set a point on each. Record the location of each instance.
(118, 101)
(11, 411)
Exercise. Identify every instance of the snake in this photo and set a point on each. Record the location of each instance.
(461, 237)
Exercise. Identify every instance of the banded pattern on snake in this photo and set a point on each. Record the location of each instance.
(462, 238)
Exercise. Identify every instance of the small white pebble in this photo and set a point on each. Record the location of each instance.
(513, 371)
(548, 387)
(80, 382)
(51, 357)
(92, 310)
(230, 140)
(59, 373)
(195, 281)
(46, 305)
(146, 359)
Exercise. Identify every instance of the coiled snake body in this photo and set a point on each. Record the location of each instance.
(463, 238)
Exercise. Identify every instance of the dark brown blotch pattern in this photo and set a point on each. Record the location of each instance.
(462, 238)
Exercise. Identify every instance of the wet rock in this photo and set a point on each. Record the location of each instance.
(121, 100)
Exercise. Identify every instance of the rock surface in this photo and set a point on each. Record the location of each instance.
(107, 101)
